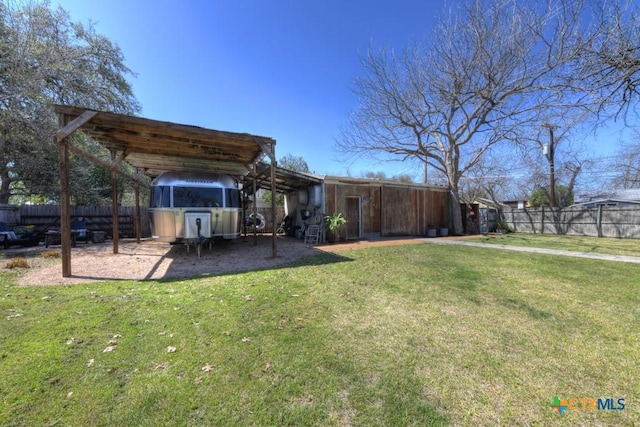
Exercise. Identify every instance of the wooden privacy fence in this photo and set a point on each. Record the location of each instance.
(601, 221)
(98, 218)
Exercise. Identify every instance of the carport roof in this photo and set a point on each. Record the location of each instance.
(156, 146)
(286, 180)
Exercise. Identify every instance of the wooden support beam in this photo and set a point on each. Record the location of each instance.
(117, 160)
(98, 161)
(136, 210)
(115, 211)
(65, 210)
(74, 124)
(255, 207)
(65, 198)
(274, 240)
(268, 149)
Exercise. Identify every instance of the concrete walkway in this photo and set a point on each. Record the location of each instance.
(591, 255)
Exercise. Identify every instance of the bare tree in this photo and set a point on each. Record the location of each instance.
(489, 179)
(485, 70)
(608, 61)
(626, 166)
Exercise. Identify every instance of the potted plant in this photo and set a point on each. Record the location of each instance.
(444, 230)
(431, 231)
(502, 227)
(333, 223)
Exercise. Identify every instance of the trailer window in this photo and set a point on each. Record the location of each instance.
(197, 197)
(160, 197)
(233, 198)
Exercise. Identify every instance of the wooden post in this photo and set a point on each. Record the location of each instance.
(269, 148)
(65, 216)
(136, 210)
(65, 199)
(115, 212)
(274, 240)
(255, 207)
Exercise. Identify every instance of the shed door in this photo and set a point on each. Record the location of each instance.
(354, 215)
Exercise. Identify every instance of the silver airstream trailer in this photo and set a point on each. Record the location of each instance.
(187, 206)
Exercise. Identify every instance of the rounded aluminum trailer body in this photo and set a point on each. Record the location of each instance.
(190, 206)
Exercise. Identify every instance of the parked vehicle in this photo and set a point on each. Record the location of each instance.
(195, 206)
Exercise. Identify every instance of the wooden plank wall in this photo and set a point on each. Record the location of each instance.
(412, 211)
(99, 218)
(391, 210)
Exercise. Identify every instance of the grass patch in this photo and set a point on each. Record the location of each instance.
(603, 245)
(407, 335)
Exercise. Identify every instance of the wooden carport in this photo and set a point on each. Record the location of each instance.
(154, 147)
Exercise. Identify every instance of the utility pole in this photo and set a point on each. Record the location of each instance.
(549, 151)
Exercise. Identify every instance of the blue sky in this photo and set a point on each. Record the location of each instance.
(277, 68)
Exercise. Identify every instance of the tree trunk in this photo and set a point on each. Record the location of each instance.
(456, 214)
(5, 192)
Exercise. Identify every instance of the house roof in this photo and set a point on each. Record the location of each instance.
(331, 179)
(630, 195)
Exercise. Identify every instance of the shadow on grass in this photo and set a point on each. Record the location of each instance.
(529, 309)
(152, 260)
(322, 258)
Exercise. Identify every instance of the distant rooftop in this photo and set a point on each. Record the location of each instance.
(628, 195)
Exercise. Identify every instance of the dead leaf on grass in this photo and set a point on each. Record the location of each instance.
(305, 400)
(198, 380)
(246, 339)
(90, 363)
(226, 333)
(207, 368)
(171, 349)
(266, 367)
(160, 366)
(109, 349)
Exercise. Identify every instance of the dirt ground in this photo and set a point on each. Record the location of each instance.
(149, 259)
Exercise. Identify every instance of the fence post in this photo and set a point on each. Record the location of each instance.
(599, 221)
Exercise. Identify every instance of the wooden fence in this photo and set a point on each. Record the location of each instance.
(99, 218)
(602, 221)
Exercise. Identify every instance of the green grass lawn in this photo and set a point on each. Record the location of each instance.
(604, 245)
(409, 335)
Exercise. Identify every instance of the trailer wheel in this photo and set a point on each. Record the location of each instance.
(259, 222)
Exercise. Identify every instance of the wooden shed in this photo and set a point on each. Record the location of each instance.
(373, 208)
